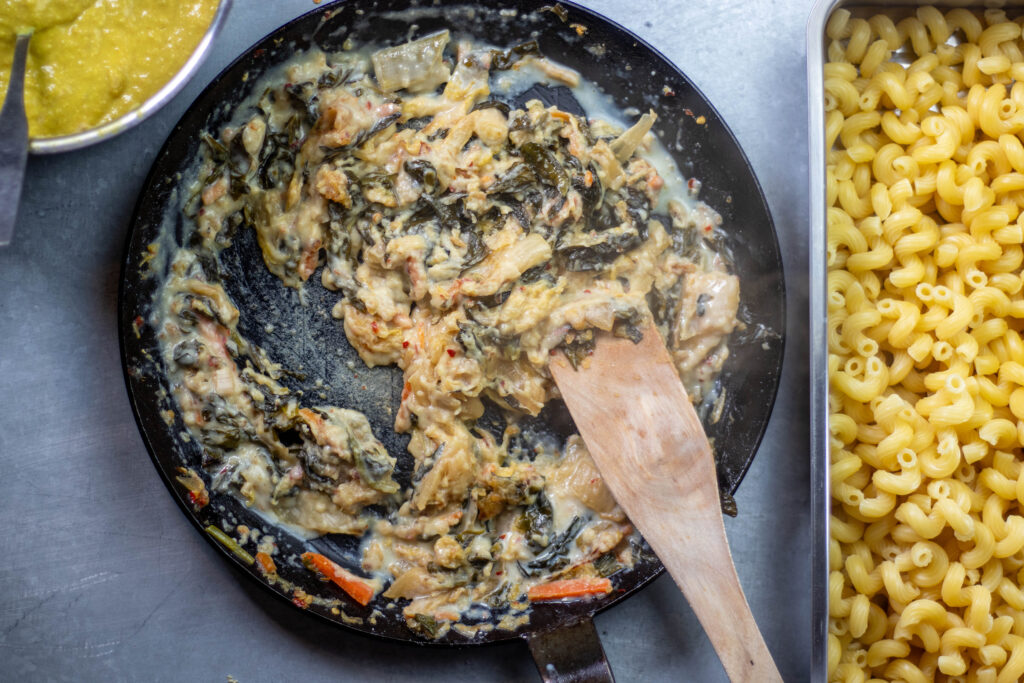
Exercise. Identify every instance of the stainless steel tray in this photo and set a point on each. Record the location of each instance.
(820, 499)
(818, 327)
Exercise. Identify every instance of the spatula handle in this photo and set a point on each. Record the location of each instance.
(705, 573)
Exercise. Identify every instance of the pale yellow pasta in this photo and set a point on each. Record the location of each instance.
(917, 34)
(925, 191)
(876, 54)
(836, 29)
(996, 113)
(859, 39)
(936, 23)
(1013, 669)
(885, 29)
(842, 95)
(997, 64)
(992, 36)
(902, 130)
(953, 640)
(933, 562)
(905, 670)
(957, 320)
(945, 512)
(945, 140)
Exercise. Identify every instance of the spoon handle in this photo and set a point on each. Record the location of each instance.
(644, 435)
(13, 142)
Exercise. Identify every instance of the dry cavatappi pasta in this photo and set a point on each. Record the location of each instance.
(925, 185)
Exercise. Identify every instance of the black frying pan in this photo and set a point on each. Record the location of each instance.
(636, 75)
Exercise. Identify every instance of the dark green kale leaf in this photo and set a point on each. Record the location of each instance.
(502, 60)
(555, 555)
(545, 166)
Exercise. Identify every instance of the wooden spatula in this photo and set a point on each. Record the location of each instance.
(633, 413)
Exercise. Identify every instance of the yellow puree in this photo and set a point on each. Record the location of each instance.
(91, 61)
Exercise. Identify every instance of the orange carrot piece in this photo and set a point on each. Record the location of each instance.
(315, 422)
(569, 588)
(266, 563)
(310, 259)
(360, 590)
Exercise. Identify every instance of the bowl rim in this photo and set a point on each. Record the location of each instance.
(66, 143)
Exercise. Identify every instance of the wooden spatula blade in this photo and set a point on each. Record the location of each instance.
(638, 423)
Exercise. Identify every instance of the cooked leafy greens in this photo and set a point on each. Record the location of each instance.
(466, 241)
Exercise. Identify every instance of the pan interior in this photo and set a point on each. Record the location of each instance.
(301, 338)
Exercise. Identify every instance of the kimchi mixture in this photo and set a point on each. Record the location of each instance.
(467, 240)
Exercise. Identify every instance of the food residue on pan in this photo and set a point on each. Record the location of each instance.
(468, 240)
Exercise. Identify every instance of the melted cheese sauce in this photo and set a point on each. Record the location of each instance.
(467, 242)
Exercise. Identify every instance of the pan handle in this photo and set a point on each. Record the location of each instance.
(570, 654)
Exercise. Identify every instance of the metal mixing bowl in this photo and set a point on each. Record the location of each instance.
(66, 143)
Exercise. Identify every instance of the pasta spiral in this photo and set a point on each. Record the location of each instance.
(924, 121)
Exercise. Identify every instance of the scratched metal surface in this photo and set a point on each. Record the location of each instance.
(102, 578)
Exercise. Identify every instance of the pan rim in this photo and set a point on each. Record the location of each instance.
(125, 324)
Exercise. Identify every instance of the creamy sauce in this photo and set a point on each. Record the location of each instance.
(92, 61)
(467, 241)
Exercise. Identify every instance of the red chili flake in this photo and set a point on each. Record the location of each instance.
(551, 352)
(199, 499)
(691, 183)
(707, 228)
(373, 326)
(498, 573)
(138, 322)
(202, 212)
(405, 345)
(502, 536)
(669, 91)
(451, 352)
(586, 291)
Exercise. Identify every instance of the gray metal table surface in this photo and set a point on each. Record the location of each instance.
(103, 578)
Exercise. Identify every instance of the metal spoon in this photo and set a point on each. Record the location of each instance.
(13, 142)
